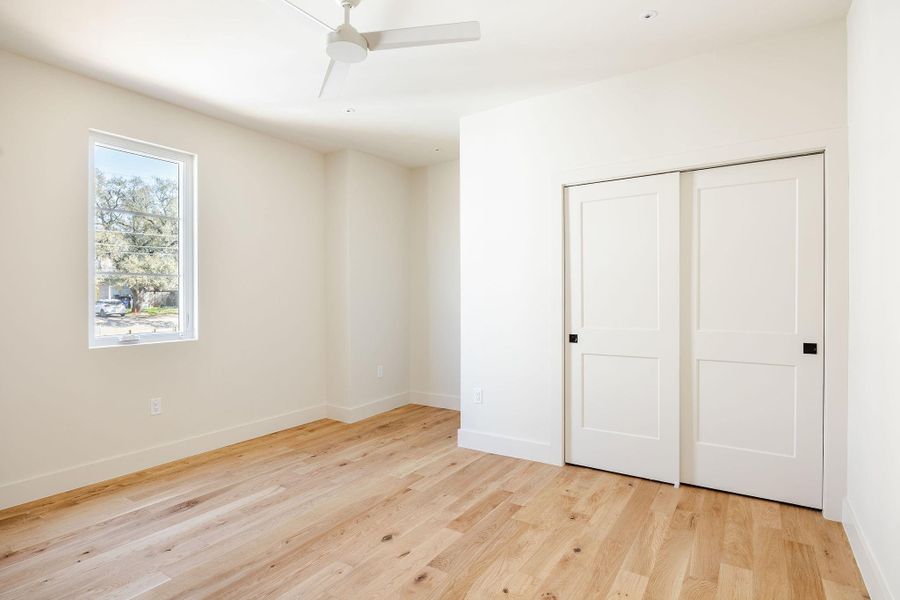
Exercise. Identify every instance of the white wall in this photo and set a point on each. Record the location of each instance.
(871, 515)
(434, 286)
(70, 415)
(510, 296)
(368, 283)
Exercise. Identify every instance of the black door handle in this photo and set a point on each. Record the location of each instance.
(810, 348)
(573, 338)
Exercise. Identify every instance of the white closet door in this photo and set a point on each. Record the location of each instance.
(622, 304)
(752, 417)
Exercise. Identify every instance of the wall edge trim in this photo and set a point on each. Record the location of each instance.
(352, 414)
(508, 446)
(871, 570)
(434, 400)
(80, 475)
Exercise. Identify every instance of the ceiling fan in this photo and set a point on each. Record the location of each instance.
(345, 45)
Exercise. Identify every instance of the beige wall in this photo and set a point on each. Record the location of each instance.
(434, 285)
(337, 279)
(273, 218)
(258, 365)
(873, 462)
(393, 284)
(368, 282)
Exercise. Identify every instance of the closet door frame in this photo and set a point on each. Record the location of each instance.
(832, 144)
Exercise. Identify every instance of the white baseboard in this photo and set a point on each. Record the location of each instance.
(370, 409)
(507, 446)
(47, 484)
(434, 400)
(63, 480)
(871, 570)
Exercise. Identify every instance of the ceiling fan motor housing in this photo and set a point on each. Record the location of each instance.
(347, 45)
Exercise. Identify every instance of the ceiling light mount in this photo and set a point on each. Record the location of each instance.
(345, 46)
(649, 15)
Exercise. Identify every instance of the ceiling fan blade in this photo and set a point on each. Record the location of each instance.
(309, 15)
(427, 35)
(335, 76)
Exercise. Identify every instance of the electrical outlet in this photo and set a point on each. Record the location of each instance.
(478, 396)
(155, 406)
(380, 371)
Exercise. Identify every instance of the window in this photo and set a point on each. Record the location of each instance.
(141, 243)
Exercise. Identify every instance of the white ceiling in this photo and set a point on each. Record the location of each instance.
(259, 63)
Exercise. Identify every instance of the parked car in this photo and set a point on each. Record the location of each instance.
(107, 308)
(126, 300)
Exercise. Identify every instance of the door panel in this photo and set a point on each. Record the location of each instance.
(763, 396)
(745, 234)
(622, 302)
(752, 417)
(621, 294)
(634, 382)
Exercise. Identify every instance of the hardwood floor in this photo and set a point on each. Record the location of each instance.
(391, 508)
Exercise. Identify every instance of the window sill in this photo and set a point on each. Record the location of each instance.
(142, 340)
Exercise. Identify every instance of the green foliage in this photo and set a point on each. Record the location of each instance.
(137, 234)
(157, 311)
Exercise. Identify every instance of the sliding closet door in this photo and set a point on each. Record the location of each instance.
(622, 316)
(752, 413)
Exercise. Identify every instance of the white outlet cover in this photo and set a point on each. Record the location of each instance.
(478, 396)
(380, 370)
(155, 406)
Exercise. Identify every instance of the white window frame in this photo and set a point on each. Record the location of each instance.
(187, 239)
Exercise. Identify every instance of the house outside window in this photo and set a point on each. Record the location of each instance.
(142, 243)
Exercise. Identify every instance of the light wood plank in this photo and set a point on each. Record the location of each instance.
(390, 508)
